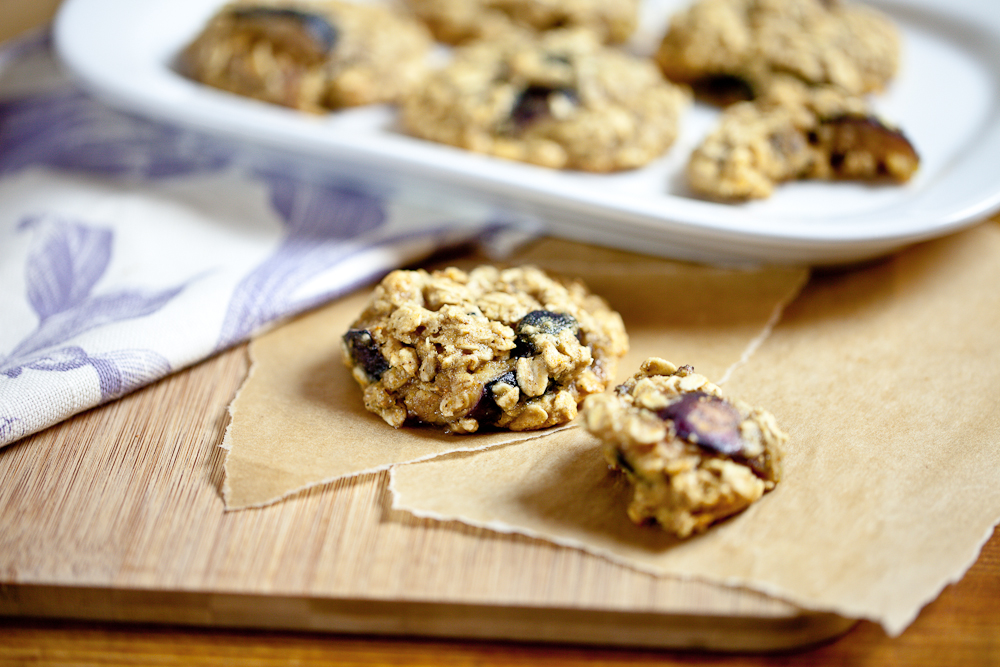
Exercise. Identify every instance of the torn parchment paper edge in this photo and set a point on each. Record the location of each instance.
(226, 445)
(893, 627)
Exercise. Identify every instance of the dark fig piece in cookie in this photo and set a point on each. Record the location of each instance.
(707, 421)
(535, 103)
(486, 410)
(302, 34)
(545, 321)
(723, 89)
(863, 146)
(364, 351)
(693, 457)
(540, 322)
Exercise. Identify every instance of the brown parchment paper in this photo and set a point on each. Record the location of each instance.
(299, 420)
(887, 379)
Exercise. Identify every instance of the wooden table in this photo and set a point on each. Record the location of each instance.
(961, 627)
(17, 16)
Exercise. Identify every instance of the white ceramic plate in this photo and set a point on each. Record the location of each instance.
(946, 99)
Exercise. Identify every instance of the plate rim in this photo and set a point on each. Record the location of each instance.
(708, 225)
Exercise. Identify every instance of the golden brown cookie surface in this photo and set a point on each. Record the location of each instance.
(312, 55)
(560, 100)
(508, 348)
(731, 47)
(795, 131)
(458, 21)
(692, 456)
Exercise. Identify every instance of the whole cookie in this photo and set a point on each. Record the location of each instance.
(558, 100)
(727, 48)
(507, 348)
(457, 21)
(692, 456)
(312, 55)
(796, 131)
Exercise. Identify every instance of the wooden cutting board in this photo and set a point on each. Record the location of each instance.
(117, 515)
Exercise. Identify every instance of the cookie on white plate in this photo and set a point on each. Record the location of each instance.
(313, 55)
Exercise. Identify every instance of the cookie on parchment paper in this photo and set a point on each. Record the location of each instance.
(489, 348)
(692, 456)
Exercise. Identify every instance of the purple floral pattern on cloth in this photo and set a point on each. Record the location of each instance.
(68, 130)
(65, 262)
(319, 219)
(99, 330)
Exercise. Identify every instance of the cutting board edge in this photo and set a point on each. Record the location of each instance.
(523, 624)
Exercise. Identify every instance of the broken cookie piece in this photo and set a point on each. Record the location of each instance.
(490, 348)
(692, 456)
(794, 131)
(312, 55)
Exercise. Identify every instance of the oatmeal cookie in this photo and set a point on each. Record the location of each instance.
(795, 131)
(559, 100)
(693, 457)
(312, 55)
(458, 21)
(505, 348)
(726, 49)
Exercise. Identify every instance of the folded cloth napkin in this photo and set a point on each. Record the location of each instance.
(130, 249)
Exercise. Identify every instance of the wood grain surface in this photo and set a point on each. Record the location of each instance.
(116, 515)
(19, 16)
(961, 627)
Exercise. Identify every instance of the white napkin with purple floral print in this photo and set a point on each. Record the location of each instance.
(130, 249)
